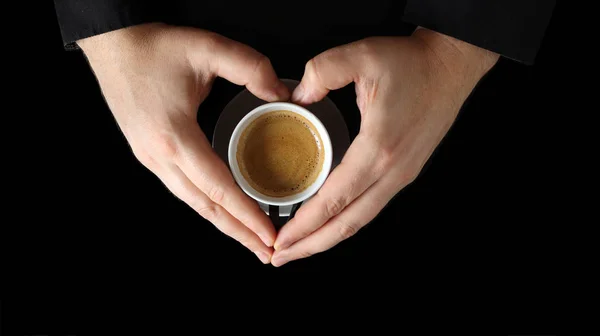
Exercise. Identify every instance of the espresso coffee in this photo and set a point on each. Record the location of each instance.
(280, 153)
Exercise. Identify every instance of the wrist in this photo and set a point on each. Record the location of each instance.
(457, 57)
(124, 38)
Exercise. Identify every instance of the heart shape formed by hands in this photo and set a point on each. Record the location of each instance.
(409, 91)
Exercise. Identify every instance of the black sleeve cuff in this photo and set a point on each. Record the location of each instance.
(79, 19)
(511, 28)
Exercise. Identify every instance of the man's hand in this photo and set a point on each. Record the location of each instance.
(409, 91)
(154, 78)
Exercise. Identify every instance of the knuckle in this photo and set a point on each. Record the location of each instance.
(347, 230)
(387, 158)
(165, 146)
(333, 206)
(311, 67)
(410, 175)
(367, 49)
(210, 41)
(212, 38)
(209, 212)
(143, 157)
(386, 152)
(262, 64)
(263, 60)
(330, 55)
(369, 52)
(216, 194)
(405, 177)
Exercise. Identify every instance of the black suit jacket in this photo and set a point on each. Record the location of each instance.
(512, 28)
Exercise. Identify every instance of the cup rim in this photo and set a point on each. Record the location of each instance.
(286, 200)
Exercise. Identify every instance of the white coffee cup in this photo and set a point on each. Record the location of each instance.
(291, 199)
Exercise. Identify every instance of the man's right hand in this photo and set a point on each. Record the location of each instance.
(154, 78)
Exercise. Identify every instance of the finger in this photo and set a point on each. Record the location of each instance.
(243, 65)
(210, 174)
(346, 224)
(330, 70)
(358, 170)
(185, 190)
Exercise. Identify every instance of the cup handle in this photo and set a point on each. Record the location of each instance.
(279, 221)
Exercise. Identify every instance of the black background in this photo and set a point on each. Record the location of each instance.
(88, 224)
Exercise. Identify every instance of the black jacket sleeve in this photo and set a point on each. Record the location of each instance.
(511, 28)
(79, 19)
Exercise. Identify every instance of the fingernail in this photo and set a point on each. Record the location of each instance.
(282, 246)
(263, 257)
(298, 93)
(278, 260)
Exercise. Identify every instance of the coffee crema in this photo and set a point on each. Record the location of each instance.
(280, 153)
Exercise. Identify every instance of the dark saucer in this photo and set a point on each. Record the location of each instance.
(245, 102)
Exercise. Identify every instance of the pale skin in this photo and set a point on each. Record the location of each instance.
(154, 78)
(409, 91)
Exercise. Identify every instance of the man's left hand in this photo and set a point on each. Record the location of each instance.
(409, 91)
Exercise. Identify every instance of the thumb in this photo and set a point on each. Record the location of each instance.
(243, 65)
(330, 70)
